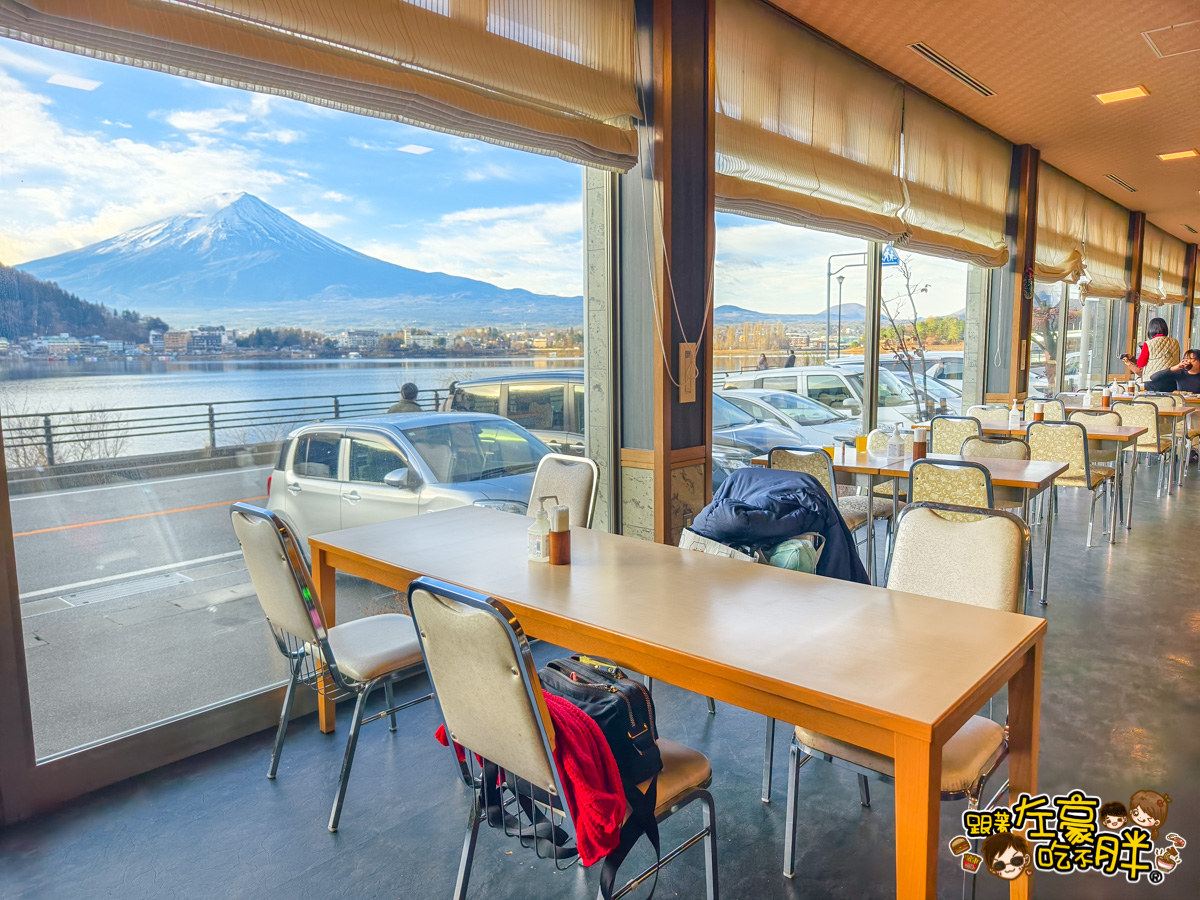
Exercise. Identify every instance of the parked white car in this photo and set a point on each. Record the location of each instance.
(814, 422)
(837, 387)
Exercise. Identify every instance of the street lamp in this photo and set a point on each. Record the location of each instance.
(829, 273)
(840, 279)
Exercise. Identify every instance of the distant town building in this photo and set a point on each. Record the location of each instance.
(115, 348)
(416, 337)
(157, 344)
(358, 339)
(176, 341)
(57, 345)
(4, 348)
(209, 339)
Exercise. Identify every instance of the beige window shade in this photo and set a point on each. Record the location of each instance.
(550, 76)
(1152, 250)
(956, 176)
(805, 133)
(1061, 226)
(1105, 247)
(1174, 261)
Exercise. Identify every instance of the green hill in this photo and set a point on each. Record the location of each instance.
(29, 306)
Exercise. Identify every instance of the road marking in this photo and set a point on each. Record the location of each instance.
(41, 495)
(165, 512)
(63, 588)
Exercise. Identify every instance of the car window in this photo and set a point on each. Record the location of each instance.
(748, 408)
(283, 456)
(726, 415)
(471, 451)
(802, 409)
(317, 456)
(580, 395)
(828, 389)
(483, 398)
(536, 406)
(371, 460)
(779, 383)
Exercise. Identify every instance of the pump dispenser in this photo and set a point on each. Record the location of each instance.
(539, 533)
(1014, 416)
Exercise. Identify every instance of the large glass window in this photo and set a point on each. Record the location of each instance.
(1045, 338)
(1093, 341)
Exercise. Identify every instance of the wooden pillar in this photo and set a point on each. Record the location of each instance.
(1124, 324)
(1026, 160)
(1189, 297)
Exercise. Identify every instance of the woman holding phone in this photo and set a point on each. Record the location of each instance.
(1159, 351)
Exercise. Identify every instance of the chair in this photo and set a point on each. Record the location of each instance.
(573, 480)
(999, 448)
(1100, 417)
(491, 701)
(1052, 410)
(947, 433)
(1066, 442)
(954, 482)
(877, 441)
(1143, 414)
(989, 414)
(346, 660)
(1168, 426)
(989, 549)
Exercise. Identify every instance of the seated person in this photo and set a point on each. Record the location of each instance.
(408, 400)
(1182, 377)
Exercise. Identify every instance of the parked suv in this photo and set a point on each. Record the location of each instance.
(834, 386)
(349, 472)
(551, 405)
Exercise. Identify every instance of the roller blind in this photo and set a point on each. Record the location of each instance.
(956, 176)
(1174, 261)
(1152, 249)
(549, 76)
(805, 133)
(1105, 247)
(1061, 227)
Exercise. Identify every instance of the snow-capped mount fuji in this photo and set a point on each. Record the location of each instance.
(243, 263)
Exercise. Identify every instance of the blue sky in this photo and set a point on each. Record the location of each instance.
(89, 149)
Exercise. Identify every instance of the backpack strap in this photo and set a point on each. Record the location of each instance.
(641, 821)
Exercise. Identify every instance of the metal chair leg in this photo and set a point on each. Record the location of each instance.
(712, 706)
(864, 790)
(468, 852)
(288, 696)
(1046, 561)
(796, 760)
(348, 759)
(1132, 484)
(387, 697)
(709, 820)
(649, 685)
(768, 760)
(1091, 519)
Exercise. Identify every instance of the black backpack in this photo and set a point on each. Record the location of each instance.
(624, 710)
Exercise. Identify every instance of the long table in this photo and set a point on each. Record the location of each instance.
(892, 672)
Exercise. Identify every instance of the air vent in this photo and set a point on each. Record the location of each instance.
(924, 50)
(1191, 229)
(1115, 180)
(1174, 40)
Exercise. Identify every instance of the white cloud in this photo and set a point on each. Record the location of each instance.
(538, 247)
(12, 59)
(117, 124)
(318, 221)
(335, 196)
(415, 149)
(94, 186)
(73, 81)
(204, 119)
(488, 171)
(278, 135)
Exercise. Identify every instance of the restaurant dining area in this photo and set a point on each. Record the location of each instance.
(895, 603)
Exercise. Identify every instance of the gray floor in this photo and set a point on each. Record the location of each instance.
(1121, 712)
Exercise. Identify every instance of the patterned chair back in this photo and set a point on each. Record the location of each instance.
(1064, 442)
(812, 460)
(947, 433)
(877, 442)
(1162, 401)
(1140, 414)
(995, 448)
(956, 482)
(989, 414)
(1052, 410)
(1110, 418)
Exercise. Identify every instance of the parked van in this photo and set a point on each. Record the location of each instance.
(834, 386)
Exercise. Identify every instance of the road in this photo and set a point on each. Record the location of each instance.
(136, 604)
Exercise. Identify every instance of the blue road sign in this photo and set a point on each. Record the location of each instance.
(890, 256)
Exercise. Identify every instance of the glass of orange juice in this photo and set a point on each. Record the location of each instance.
(860, 443)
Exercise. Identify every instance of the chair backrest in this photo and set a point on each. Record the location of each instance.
(1064, 442)
(957, 482)
(989, 414)
(1108, 417)
(975, 556)
(995, 448)
(277, 570)
(812, 460)
(1140, 414)
(947, 433)
(572, 479)
(877, 441)
(1162, 401)
(485, 680)
(1053, 410)
(1070, 398)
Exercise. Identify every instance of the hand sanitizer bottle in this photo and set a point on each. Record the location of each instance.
(539, 534)
(1014, 416)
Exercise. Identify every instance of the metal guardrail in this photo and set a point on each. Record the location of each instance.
(49, 434)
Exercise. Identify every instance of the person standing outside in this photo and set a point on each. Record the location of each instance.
(762, 362)
(1159, 351)
(791, 360)
(408, 400)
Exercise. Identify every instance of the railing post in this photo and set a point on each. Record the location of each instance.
(212, 428)
(337, 408)
(49, 436)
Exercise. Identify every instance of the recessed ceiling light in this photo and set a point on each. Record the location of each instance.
(1125, 94)
(1179, 154)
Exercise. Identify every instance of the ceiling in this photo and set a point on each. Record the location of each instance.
(1044, 60)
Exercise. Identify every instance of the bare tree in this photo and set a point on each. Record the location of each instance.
(907, 347)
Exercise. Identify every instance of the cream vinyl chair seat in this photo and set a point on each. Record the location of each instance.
(375, 645)
(1099, 474)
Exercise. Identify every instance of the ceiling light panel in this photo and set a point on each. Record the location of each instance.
(1124, 94)
(1178, 154)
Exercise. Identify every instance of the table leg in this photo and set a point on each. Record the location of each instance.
(324, 580)
(1132, 483)
(1024, 716)
(1046, 553)
(1029, 554)
(871, 529)
(918, 808)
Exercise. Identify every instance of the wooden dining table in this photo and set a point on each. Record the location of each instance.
(891, 672)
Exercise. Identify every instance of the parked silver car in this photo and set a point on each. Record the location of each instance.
(350, 472)
(814, 422)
